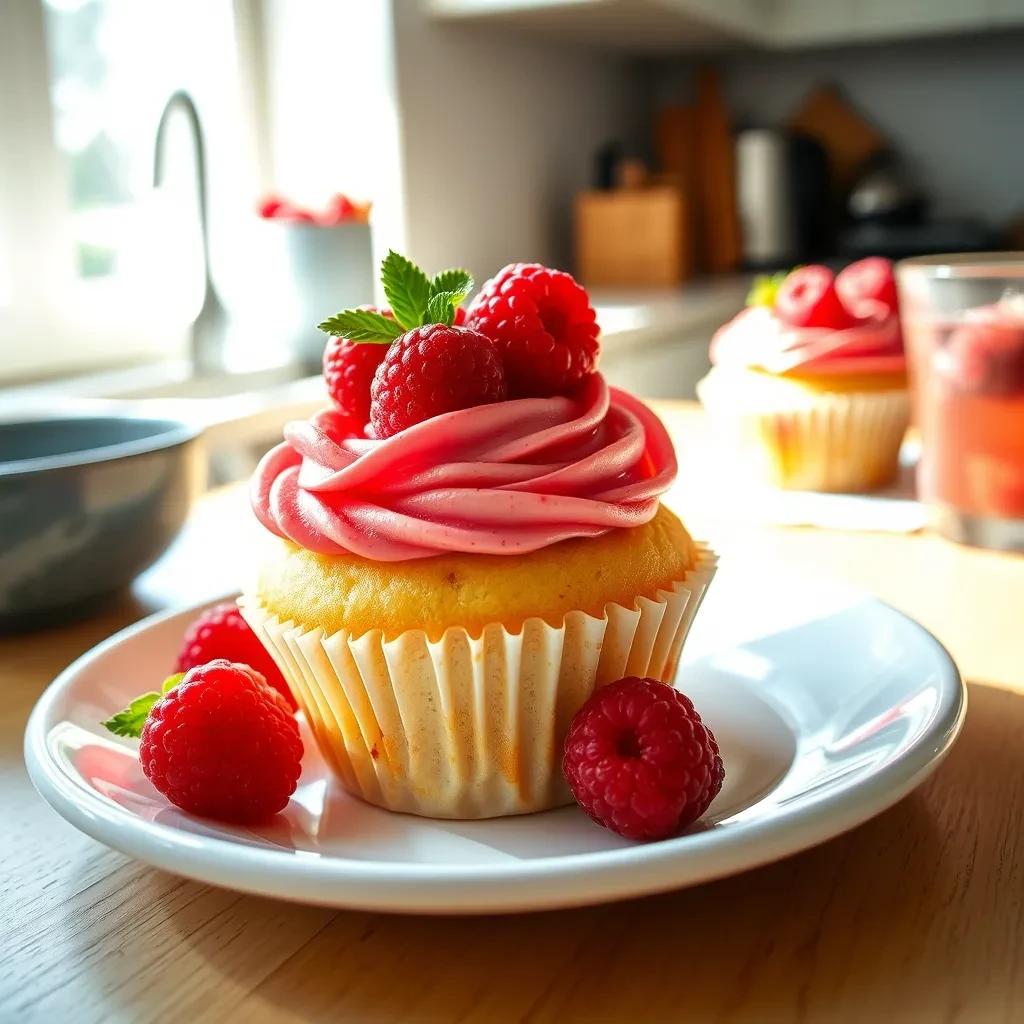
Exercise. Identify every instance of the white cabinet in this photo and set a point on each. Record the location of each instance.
(800, 23)
(652, 26)
(681, 25)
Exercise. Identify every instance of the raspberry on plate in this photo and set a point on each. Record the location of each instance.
(808, 298)
(222, 744)
(221, 632)
(544, 325)
(432, 370)
(640, 761)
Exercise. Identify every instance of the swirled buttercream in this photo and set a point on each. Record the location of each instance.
(757, 337)
(506, 478)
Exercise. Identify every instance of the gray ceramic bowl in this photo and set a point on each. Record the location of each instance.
(87, 503)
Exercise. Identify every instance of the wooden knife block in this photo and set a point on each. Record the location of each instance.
(633, 237)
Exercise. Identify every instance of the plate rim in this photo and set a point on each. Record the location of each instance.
(413, 887)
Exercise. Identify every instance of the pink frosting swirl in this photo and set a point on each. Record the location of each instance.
(758, 337)
(503, 479)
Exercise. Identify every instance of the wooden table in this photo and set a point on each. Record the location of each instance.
(917, 915)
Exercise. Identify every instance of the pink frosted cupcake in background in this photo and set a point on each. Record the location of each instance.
(808, 386)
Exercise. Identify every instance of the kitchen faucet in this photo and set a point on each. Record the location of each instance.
(206, 346)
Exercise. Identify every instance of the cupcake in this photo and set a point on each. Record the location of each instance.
(808, 385)
(445, 585)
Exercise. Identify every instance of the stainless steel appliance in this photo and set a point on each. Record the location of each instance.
(782, 194)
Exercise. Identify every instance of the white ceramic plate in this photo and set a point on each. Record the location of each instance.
(828, 707)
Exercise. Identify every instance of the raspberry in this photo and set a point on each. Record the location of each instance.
(433, 370)
(545, 327)
(221, 632)
(984, 357)
(639, 760)
(807, 298)
(223, 744)
(868, 286)
(270, 206)
(349, 367)
(339, 210)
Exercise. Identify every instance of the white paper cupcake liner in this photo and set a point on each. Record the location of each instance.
(832, 441)
(470, 726)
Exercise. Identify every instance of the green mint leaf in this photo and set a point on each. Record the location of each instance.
(361, 325)
(407, 289)
(441, 308)
(171, 682)
(457, 281)
(130, 721)
(765, 288)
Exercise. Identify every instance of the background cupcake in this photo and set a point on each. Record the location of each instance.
(451, 581)
(808, 386)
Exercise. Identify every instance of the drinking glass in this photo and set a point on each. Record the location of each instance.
(963, 325)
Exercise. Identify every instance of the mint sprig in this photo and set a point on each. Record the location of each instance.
(456, 281)
(414, 298)
(765, 288)
(406, 288)
(129, 721)
(362, 325)
(441, 308)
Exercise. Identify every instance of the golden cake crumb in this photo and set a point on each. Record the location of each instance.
(356, 594)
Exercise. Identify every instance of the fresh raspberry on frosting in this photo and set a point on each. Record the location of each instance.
(448, 463)
(808, 298)
(796, 323)
(433, 370)
(544, 324)
(868, 288)
(640, 761)
(349, 367)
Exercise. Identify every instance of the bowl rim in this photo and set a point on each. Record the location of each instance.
(965, 264)
(171, 433)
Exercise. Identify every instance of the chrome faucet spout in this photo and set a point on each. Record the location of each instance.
(207, 335)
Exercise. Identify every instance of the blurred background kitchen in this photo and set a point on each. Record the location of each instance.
(188, 186)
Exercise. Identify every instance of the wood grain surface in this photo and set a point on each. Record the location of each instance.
(916, 916)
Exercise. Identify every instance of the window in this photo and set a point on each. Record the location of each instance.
(93, 71)
(97, 267)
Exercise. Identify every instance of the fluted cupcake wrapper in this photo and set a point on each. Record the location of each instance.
(470, 726)
(836, 442)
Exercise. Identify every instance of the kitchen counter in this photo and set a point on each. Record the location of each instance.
(635, 324)
(655, 342)
(916, 915)
(631, 317)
